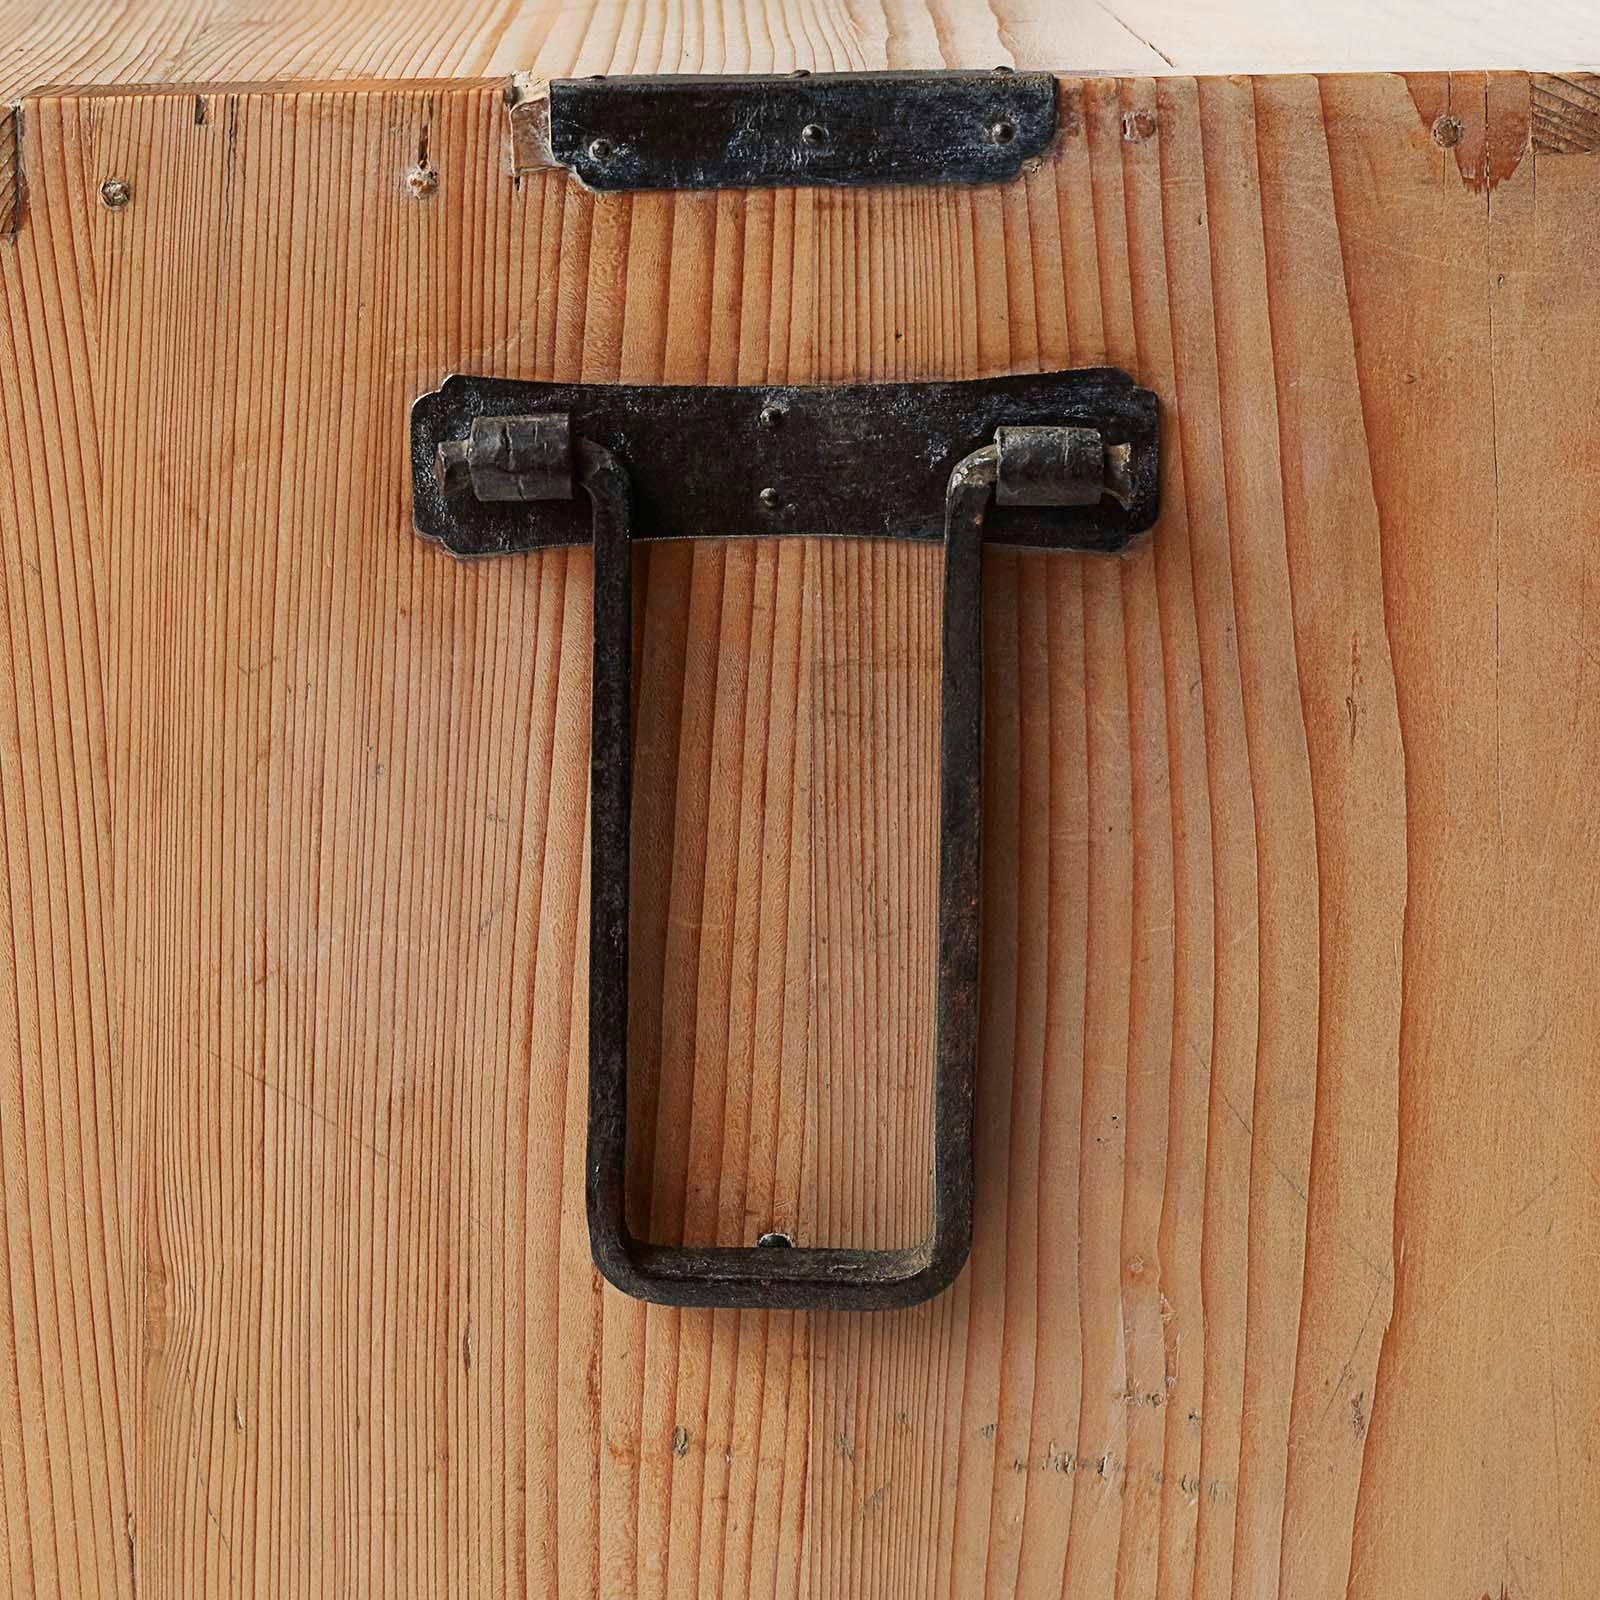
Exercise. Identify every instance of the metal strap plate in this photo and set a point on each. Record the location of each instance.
(846, 461)
(803, 129)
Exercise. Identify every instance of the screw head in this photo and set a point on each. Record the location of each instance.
(770, 498)
(601, 150)
(814, 135)
(772, 416)
(115, 193)
(1002, 132)
(423, 180)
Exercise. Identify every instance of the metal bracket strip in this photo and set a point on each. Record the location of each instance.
(792, 131)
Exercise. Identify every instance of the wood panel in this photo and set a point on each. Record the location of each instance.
(111, 42)
(1288, 1199)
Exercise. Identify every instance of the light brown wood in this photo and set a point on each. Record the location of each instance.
(104, 42)
(1288, 1209)
(111, 42)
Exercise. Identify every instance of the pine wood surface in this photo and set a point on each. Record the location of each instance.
(1288, 1210)
(107, 42)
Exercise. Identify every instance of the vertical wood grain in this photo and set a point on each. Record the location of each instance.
(1478, 386)
(70, 1312)
(1285, 1198)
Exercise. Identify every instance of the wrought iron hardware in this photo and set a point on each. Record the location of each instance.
(801, 129)
(1066, 460)
(845, 460)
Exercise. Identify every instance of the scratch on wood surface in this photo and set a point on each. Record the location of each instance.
(1127, 27)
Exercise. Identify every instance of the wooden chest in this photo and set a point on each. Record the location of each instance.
(1287, 1207)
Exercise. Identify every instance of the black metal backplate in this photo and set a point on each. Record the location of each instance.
(824, 128)
(865, 460)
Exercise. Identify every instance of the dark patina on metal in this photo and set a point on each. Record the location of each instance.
(509, 460)
(799, 1277)
(693, 132)
(859, 460)
(1088, 466)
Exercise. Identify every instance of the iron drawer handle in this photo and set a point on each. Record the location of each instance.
(505, 462)
(804, 1277)
(1024, 464)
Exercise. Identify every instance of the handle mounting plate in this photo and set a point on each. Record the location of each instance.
(863, 460)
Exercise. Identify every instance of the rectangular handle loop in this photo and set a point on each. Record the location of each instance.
(806, 1277)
